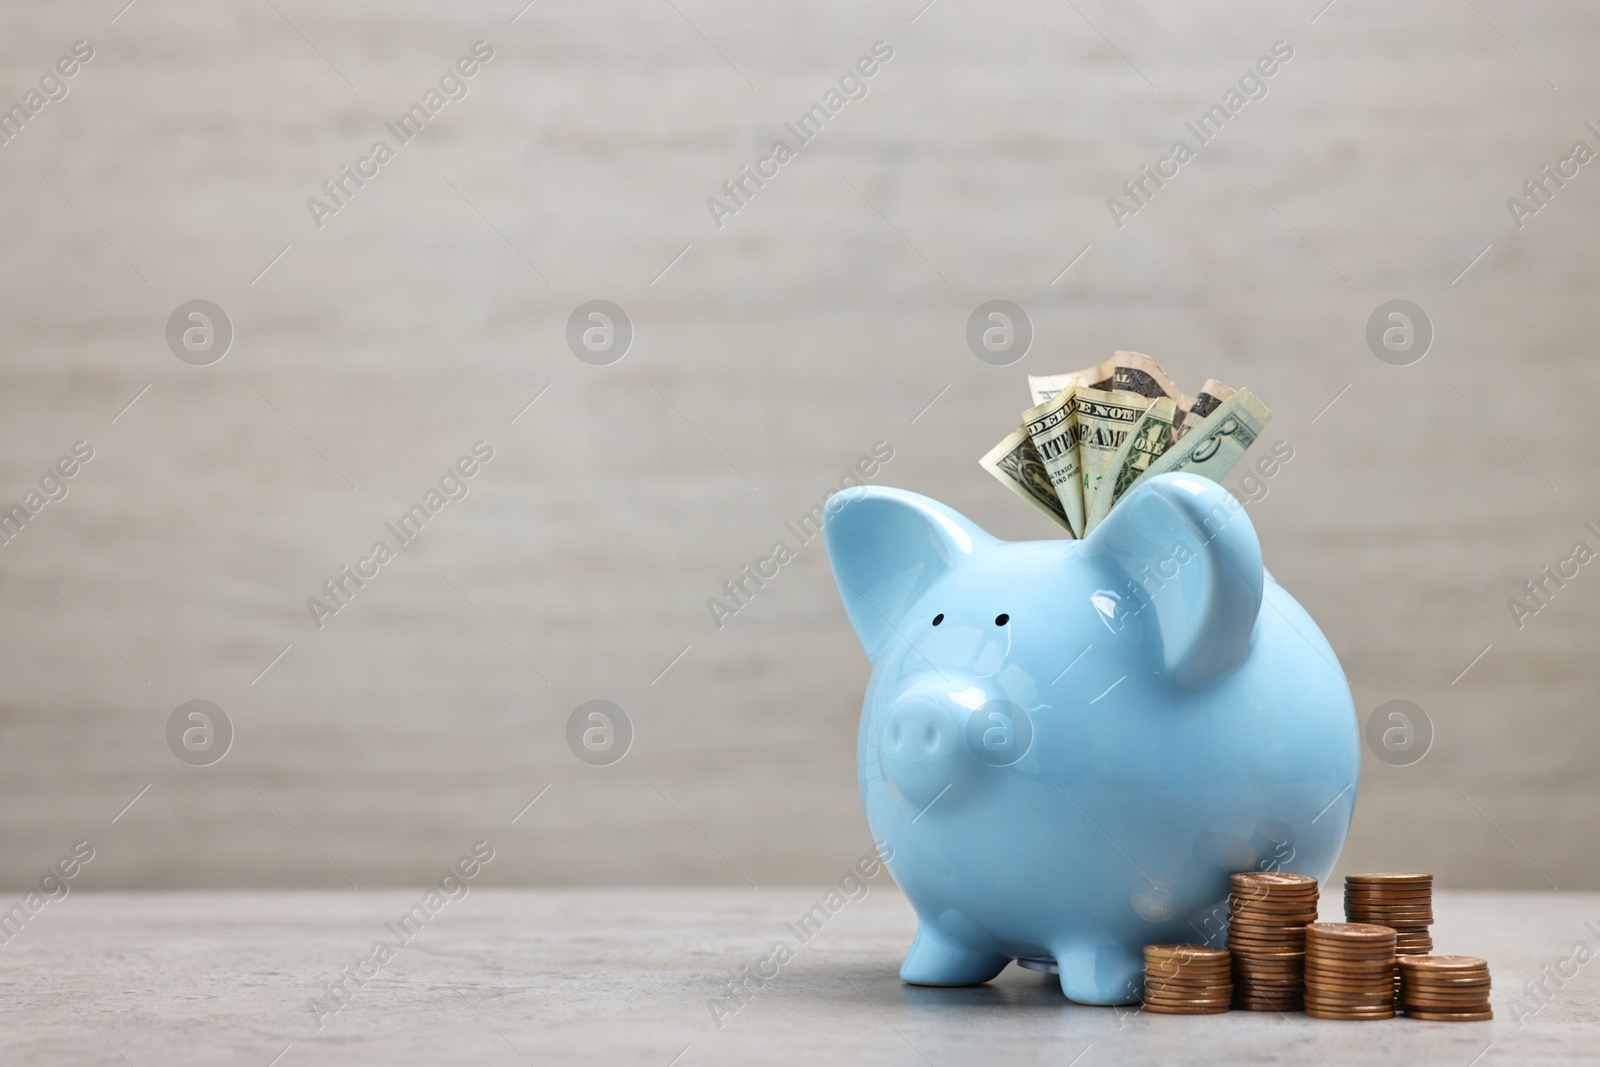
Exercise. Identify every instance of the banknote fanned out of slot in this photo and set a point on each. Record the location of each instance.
(1094, 434)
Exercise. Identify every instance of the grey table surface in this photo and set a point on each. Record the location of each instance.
(503, 976)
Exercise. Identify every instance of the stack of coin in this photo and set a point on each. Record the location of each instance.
(1402, 902)
(1349, 971)
(1187, 980)
(1445, 988)
(1267, 917)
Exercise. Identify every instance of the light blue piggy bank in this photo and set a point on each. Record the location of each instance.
(1070, 745)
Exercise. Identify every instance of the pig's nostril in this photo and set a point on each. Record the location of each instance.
(930, 737)
(897, 736)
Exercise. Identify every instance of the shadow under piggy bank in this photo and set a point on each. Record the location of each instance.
(1067, 746)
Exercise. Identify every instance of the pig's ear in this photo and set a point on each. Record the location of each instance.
(887, 547)
(1192, 554)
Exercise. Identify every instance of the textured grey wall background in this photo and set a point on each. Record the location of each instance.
(770, 354)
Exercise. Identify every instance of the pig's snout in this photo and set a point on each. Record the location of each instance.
(923, 749)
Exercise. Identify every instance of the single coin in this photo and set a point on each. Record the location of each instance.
(1369, 1004)
(1479, 986)
(1162, 972)
(1349, 990)
(1246, 948)
(1263, 935)
(1386, 879)
(1392, 889)
(1273, 878)
(1360, 973)
(1275, 923)
(1164, 1009)
(1452, 1016)
(1319, 982)
(1223, 997)
(1274, 907)
(1457, 985)
(1371, 977)
(1306, 904)
(1189, 984)
(1347, 995)
(1202, 1002)
(1269, 957)
(1446, 963)
(1350, 931)
(1200, 952)
(1308, 898)
(1316, 956)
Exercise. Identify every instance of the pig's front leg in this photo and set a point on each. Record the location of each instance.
(937, 959)
(1104, 973)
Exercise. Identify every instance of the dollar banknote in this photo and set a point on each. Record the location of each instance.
(1217, 441)
(1150, 437)
(1124, 372)
(1094, 434)
(1053, 426)
(1212, 393)
(1016, 463)
(1046, 387)
(1104, 421)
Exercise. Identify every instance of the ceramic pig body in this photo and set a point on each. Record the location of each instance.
(1070, 745)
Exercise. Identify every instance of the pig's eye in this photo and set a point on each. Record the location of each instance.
(1001, 619)
(937, 619)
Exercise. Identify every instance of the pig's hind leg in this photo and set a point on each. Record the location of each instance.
(937, 959)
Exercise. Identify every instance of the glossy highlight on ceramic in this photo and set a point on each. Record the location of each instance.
(1070, 745)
